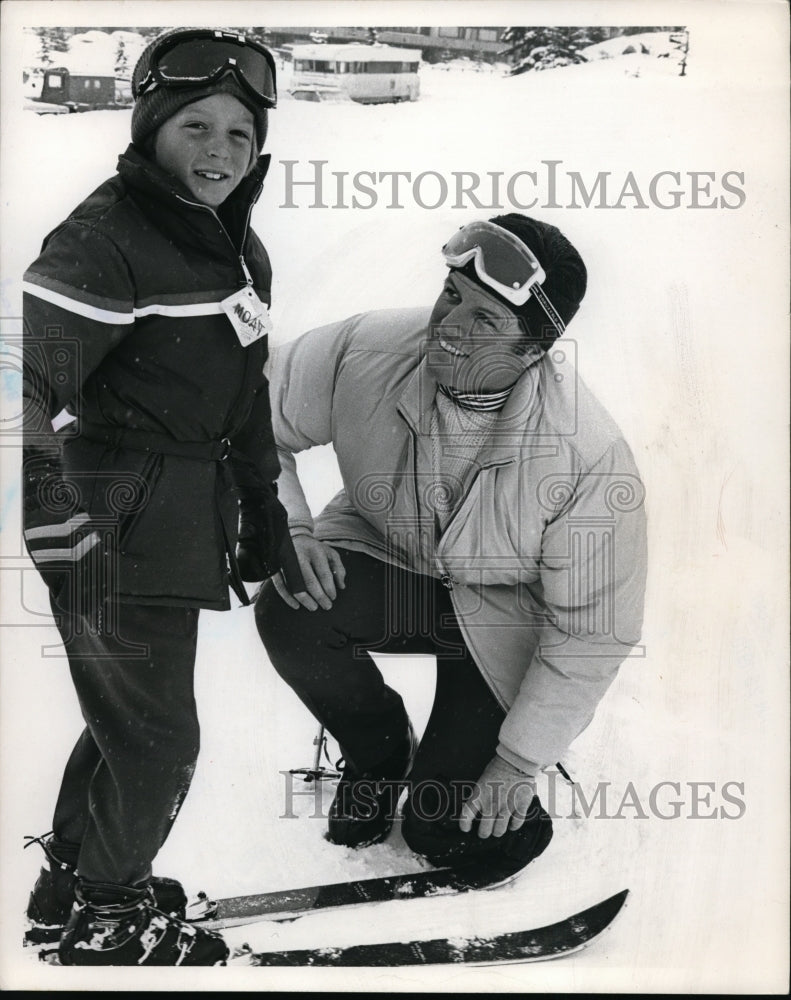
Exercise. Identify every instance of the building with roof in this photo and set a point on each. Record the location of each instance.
(434, 42)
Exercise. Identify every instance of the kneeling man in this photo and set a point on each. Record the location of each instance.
(491, 515)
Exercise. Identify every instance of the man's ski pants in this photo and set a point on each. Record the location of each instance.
(325, 657)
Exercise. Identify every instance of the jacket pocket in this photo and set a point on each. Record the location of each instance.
(138, 500)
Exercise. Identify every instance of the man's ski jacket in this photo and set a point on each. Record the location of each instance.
(545, 551)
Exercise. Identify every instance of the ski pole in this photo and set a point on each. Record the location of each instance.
(317, 772)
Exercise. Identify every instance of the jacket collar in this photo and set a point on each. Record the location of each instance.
(515, 419)
(417, 399)
(173, 209)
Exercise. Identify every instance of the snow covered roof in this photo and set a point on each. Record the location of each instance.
(356, 51)
(90, 53)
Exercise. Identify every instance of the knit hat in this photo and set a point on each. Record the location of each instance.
(156, 106)
(566, 276)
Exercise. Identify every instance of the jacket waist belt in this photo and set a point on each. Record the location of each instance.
(163, 444)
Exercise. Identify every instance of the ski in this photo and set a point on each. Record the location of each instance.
(290, 904)
(532, 945)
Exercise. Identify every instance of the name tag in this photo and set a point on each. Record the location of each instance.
(249, 316)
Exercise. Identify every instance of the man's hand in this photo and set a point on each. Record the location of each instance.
(501, 798)
(323, 573)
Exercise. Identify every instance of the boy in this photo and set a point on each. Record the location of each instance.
(146, 316)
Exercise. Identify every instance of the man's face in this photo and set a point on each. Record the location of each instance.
(476, 341)
(208, 146)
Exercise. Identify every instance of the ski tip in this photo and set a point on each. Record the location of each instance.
(609, 908)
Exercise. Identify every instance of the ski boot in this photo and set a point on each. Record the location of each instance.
(364, 806)
(118, 925)
(53, 896)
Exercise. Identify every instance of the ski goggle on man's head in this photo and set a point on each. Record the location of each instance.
(502, 261)
(204, 56)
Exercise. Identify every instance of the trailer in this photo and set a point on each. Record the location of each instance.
(80, 92)
(370, 74)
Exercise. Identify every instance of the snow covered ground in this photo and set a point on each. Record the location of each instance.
(682, 336)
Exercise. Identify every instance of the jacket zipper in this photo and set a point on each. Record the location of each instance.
(249, 283)
(413, 437)
(248, 278)
(446, 578)
(233, 569)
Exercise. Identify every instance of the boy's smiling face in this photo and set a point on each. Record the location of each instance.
(208, 146)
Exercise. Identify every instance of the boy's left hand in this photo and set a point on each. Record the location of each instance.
(263, 528)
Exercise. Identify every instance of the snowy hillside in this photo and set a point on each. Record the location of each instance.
(656, 44)
(681, 335)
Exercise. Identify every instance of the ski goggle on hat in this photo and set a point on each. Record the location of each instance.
(203, 56)
(503, 263)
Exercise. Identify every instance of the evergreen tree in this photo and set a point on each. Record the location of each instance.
(680, 41)
(60, 39)
(582, 37)
(547, 47)
(45, 46)
(51, 41)
(121, 60)
(148, 34)
(641, 29)
(259, 34)
(256, 32)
